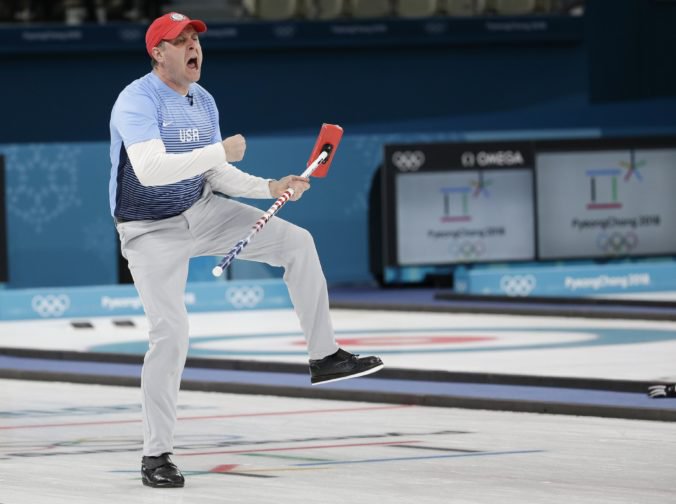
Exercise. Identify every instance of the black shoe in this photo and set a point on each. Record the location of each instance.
(342, 365)
(160, 472)
(662, 391)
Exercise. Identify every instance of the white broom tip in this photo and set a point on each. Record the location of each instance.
(217, 271)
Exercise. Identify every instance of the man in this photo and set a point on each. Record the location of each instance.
(168, 160)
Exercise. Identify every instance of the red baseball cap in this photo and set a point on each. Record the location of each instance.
(169, 27)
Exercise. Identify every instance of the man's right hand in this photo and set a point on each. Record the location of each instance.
(234, 148)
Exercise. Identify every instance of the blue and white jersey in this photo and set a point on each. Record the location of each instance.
(148, 109)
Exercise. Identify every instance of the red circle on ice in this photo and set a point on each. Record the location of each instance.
(390, 341)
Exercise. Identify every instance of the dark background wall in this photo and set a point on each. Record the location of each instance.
(625, 52)
(61, 97)
(632, 48)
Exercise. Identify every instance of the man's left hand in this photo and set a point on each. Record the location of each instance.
(298, 184)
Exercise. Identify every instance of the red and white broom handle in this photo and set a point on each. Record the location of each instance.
(239, 246)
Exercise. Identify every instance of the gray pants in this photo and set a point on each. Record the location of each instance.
(158, 253)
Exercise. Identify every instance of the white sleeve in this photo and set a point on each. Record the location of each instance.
(154, 166)
(228, 179)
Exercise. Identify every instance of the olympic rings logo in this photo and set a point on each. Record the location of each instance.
(468, 159)
(284, 31)
(50, 305)
(245, 297)
(408, 160)
(617, 243)
(517, 285)
(470, 249)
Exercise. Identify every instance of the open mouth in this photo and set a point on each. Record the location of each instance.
(192, 64)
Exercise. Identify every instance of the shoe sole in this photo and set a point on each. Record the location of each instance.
(347, 377)
(170, 485)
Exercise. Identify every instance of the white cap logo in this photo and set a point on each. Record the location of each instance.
(177, 17)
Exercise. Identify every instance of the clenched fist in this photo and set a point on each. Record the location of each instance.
(234, 148)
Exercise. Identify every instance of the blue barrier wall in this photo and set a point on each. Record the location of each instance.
(56, 111)
(59, 228)
(120, 300)
(572, 280)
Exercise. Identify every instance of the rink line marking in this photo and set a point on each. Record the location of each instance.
(286, 457)
(227, 473)
(278, 469)
(429, 457)
(224, 468)
(252, 444)
(601, 336)
(439, 448)
(229, 469)
(233, 474)
(211, 417)
(246, 472)
(301, 412)
(224, 473)
(291, 448)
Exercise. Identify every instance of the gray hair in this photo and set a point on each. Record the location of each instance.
(153, 61)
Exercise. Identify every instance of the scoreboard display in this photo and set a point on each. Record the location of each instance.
(464, 203)
(458, 203)
(606, 203)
